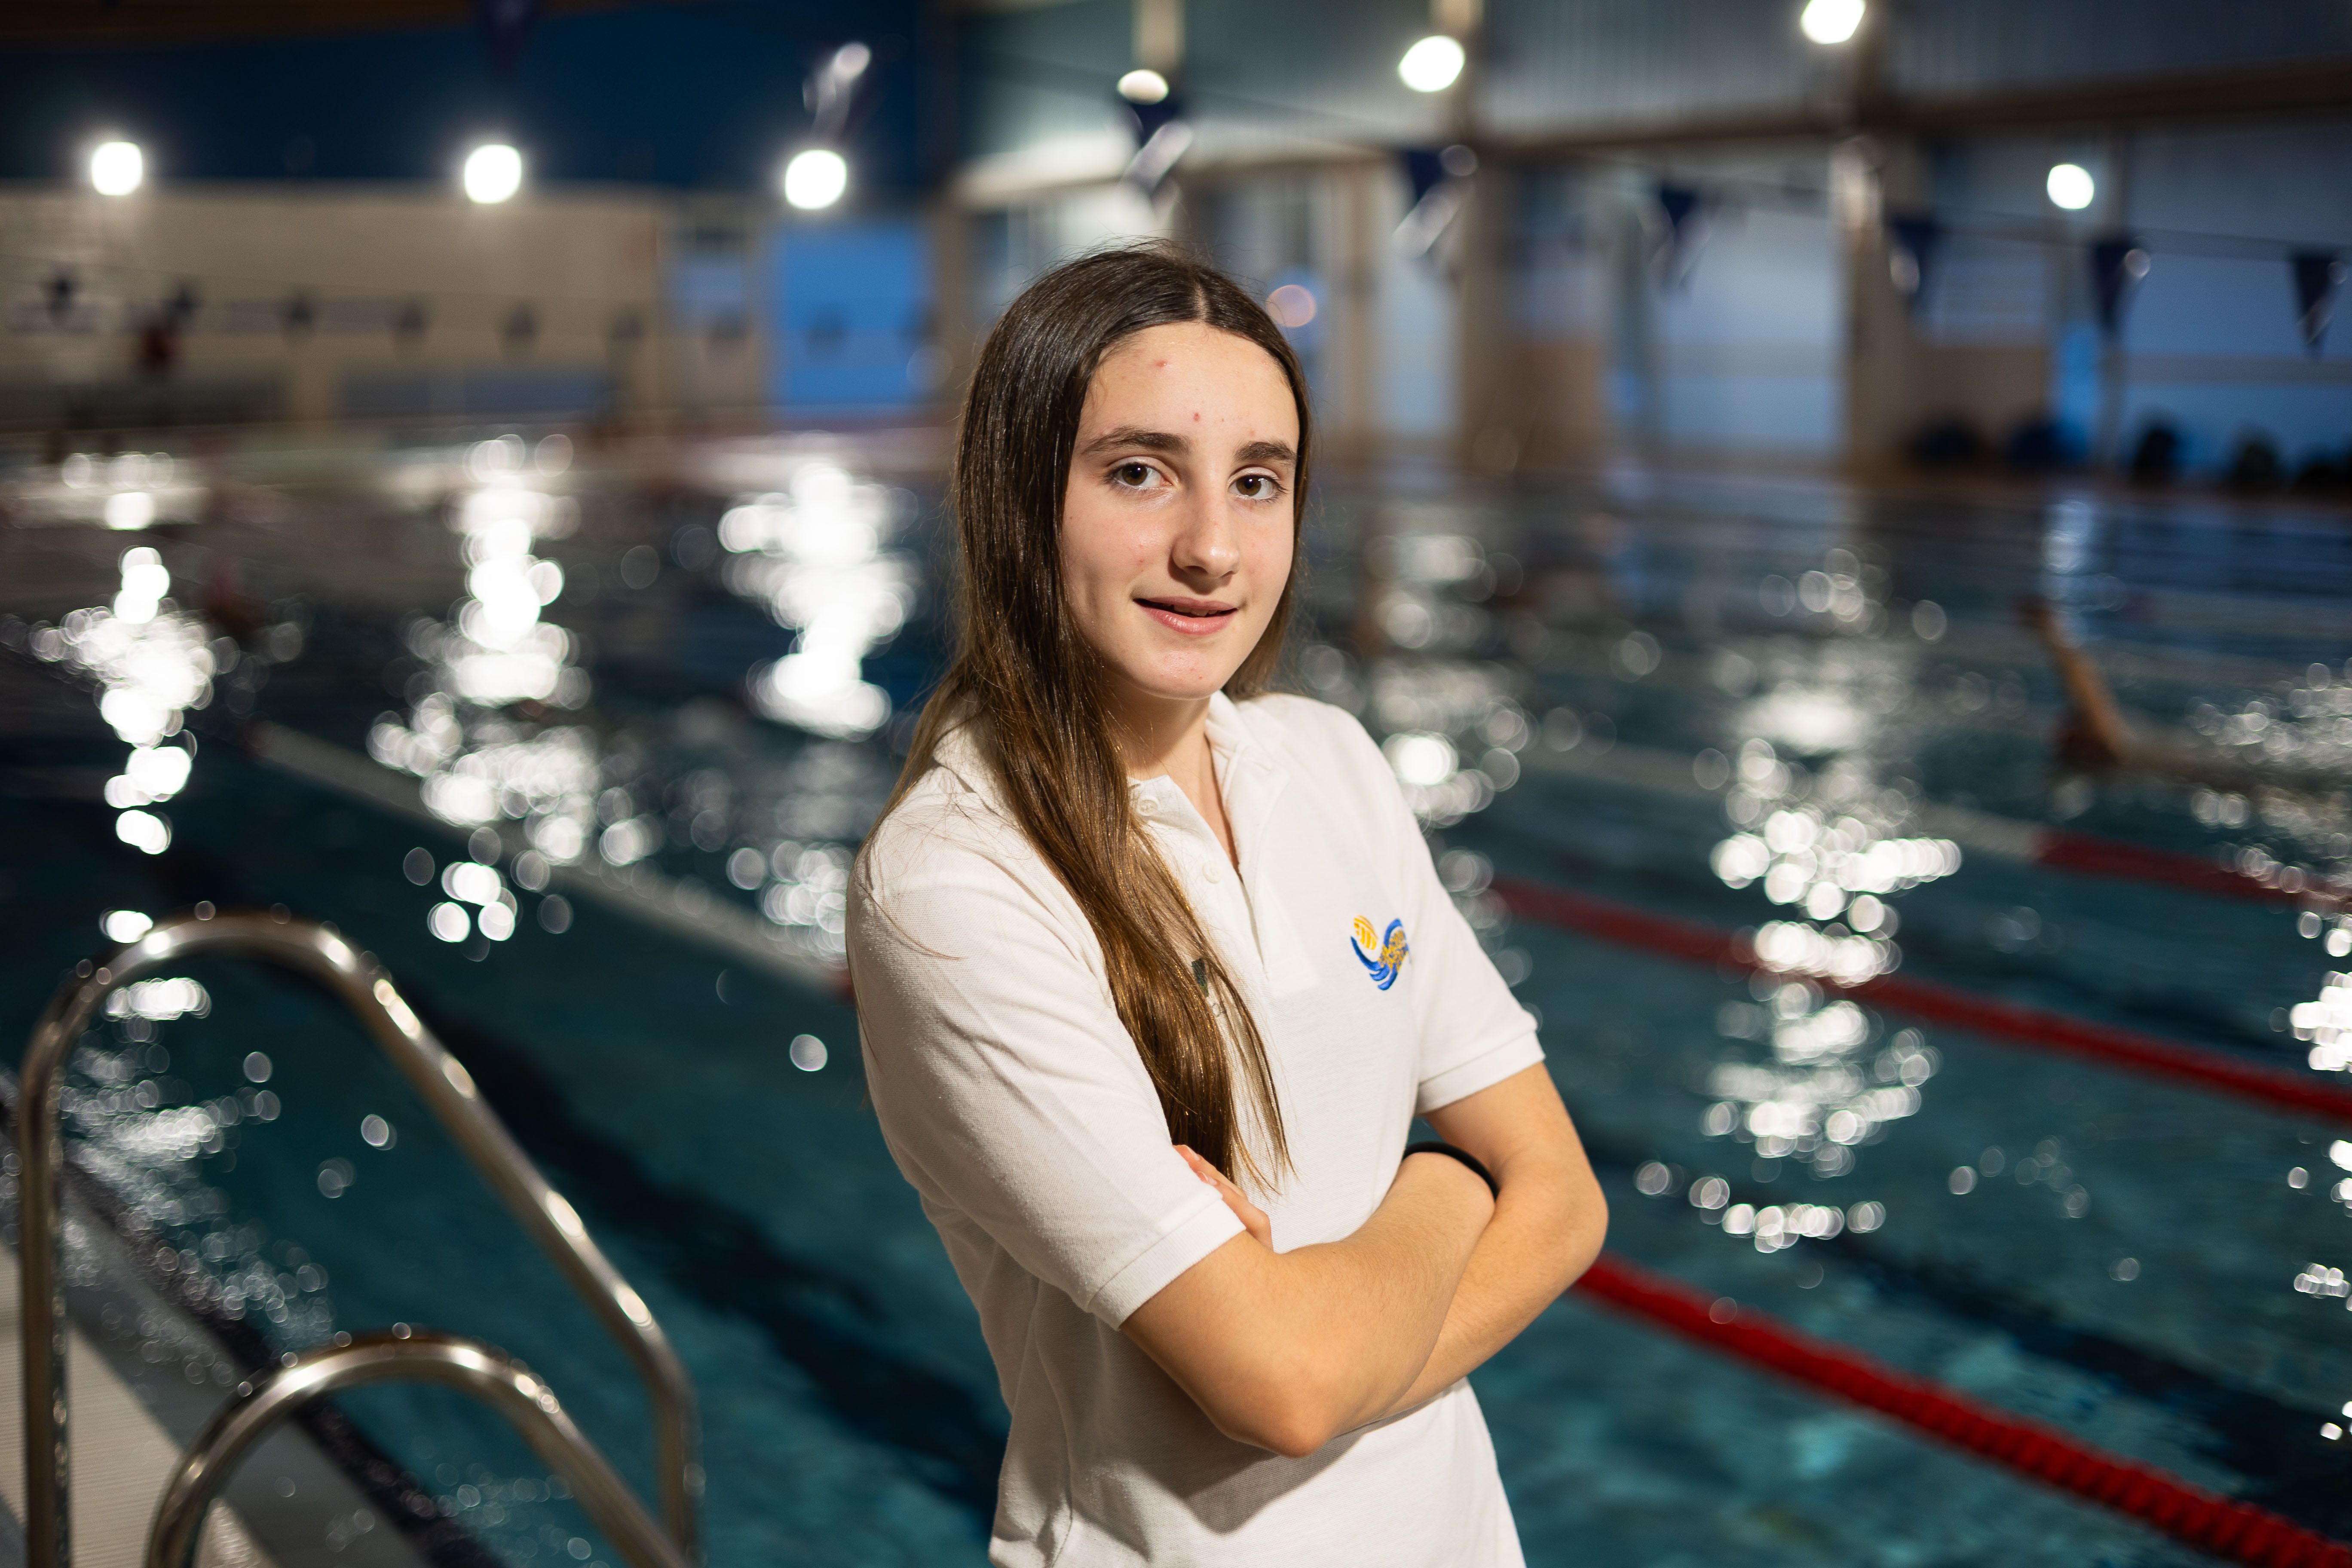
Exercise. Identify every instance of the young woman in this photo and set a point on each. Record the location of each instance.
(1153, 973)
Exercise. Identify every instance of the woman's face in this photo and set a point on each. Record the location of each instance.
(1177, 525)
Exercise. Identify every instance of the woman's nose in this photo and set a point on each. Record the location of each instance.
(1204, 545)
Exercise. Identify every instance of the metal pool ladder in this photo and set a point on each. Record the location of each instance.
(482, 1371)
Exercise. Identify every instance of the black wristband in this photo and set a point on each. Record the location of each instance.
(1434, 1147)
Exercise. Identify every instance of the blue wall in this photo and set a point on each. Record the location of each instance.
(852, 308)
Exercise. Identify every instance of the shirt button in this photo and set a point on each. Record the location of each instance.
(1146, 806)
(1211, 874)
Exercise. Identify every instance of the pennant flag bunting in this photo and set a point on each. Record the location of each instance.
(2117, 263)
(1678, 203)
(1911, 242)
(1150, 118)
(1162, 136)
(1440, 179)
(1425, 170)
(2318, 273)
(1682, 206)
(506, 27)
(830, 92)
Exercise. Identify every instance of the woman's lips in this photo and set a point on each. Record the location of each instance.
(1190, 617)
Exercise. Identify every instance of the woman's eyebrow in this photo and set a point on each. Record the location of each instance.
(1135, 435)
(1265, 452)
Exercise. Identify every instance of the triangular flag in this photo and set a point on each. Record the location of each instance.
(1681, 205)
(1440, 178)
(1162, 136)
(2318, 273)
(1678, 202)
(1425, 170)
(1149, 116)
(1915, 237)
(2117, 263)
(506, 26)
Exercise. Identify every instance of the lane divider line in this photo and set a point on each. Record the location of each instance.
(2007, 1023)
(2092, 856)
(687, 911)
(2239, 1532)
(1658, 772)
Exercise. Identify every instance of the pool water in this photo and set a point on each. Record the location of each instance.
(1774, 708)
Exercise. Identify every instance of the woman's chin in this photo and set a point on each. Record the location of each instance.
(1195, 681)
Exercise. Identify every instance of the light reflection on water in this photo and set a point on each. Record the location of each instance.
(1822, 817)
(143, 1131)
(127, 492)
(153, 663)
(2305, 728)
(1819, 773)
(1823, 800)
(1451, 725)
(813, 556)
(1805, 779)
(483, 737)
(145, 1134)
(504, 727)
(163, 1149)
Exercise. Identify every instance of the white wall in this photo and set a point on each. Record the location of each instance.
(584, 271)
(1750, 343)
(2209, 342)
(2209, 338)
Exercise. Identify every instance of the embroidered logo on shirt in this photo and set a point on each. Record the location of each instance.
(1383, 956)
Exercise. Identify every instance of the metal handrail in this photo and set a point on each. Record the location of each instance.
(468, 1366)
(358, 982)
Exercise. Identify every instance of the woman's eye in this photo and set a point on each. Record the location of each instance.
(1134, 476)
(1255, 487)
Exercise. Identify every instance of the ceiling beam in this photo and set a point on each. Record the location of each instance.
(2299, 89)
(2303, 90)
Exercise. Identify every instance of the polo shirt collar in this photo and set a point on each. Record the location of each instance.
(1248, 776)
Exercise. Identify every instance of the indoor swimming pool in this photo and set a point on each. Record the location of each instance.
(1764, 794)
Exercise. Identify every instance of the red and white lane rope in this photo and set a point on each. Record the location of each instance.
(2006, 1022)
(2207, 1520)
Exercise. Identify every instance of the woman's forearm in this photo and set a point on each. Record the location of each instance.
(1546, 1232)
(1549, 1219)
(1390, 1289)
(1286, 1350)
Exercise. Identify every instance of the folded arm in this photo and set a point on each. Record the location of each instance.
(1287, 1349)
(1547, 1228)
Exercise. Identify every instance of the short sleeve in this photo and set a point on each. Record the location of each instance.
(1007, 1088)
(1473, 1033)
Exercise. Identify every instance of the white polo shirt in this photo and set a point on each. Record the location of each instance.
(1014, 1101)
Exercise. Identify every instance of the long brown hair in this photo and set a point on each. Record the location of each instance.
(1029, 684)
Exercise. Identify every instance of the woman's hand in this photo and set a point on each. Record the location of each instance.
(1252, 1217)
